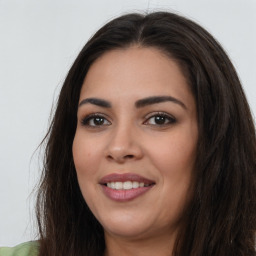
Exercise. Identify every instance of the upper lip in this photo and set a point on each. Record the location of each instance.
(115, 177)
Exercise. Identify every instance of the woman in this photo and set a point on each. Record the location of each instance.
(152, 147)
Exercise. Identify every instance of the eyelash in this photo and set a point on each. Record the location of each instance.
(168, 120)
(92, 117)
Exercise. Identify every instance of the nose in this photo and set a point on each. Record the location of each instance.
(124, 145)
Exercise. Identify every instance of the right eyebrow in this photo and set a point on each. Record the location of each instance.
(96, 101)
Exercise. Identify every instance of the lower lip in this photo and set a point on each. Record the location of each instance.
(124, 195)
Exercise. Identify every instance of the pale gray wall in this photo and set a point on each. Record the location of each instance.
(38, 42)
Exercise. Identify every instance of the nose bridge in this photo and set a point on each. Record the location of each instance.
(124, 143)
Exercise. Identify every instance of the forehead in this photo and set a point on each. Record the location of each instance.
(137, 71)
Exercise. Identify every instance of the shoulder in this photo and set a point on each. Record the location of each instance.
(24, 249)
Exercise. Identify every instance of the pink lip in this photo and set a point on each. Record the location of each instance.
(125, 195)
(125, 177)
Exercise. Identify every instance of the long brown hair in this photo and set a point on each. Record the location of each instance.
(221, 218)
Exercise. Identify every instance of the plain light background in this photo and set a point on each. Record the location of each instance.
(39, 40)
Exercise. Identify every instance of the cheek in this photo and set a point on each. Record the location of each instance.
(173, 153)
(174, 157)
(85, 153)
(85, 160)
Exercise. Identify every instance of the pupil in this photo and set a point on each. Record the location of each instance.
(98, 121)
(160, 119)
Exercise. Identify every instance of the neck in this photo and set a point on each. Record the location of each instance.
(151, 246)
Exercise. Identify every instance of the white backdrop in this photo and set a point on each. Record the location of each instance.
(38, 42)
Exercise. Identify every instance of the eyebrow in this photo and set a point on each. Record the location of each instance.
(97, 102)
(138, 104)
(158, 99)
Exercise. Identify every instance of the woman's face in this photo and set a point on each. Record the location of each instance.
(135, 144)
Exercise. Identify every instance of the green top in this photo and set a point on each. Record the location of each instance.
(25, 249)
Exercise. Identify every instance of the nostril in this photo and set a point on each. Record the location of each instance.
(120, 158)
(110, 157)
(129, 156)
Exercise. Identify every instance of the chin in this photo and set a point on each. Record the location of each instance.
(126, 226)
(126, 232)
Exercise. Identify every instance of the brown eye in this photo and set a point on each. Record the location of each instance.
(160, 119)
(95, 120)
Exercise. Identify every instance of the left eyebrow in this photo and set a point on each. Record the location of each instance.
(158, 99)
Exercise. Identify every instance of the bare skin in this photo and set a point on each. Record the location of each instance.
(140, 247)
(136, 118)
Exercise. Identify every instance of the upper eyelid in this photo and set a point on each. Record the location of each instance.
(97, 114)
(171, 118)
(155, 113)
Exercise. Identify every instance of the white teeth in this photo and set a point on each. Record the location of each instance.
(118, 185)
(112, 185)
(135, 184)
(125, 185)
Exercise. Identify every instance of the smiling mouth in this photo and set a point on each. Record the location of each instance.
(125, 187)
(118, 185)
